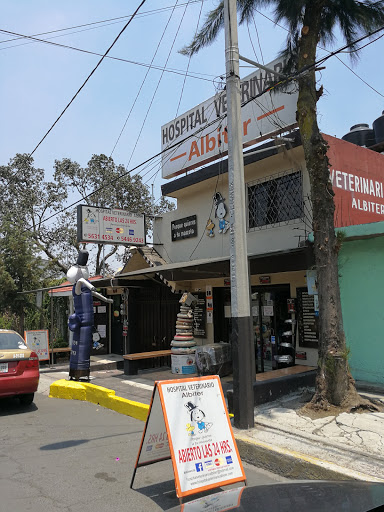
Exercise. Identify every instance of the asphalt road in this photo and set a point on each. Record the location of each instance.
(69, 456)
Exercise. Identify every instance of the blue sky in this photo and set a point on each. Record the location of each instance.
(38, 80)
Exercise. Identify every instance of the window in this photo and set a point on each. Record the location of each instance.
(275, 200)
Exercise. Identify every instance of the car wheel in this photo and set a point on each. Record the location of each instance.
(27, 399)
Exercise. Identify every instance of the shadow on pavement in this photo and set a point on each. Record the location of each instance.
(76, 442)
(10, 406)
(164, 494)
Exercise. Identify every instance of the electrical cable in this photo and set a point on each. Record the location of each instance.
(99, 23)
(74, 48)
(157, 87)
(141, 87)
(328, 51)
(194, 134)
(189, 60)
(359, 77)
(89, 76)
(258, 39)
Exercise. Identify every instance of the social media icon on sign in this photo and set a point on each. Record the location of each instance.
(199, 466)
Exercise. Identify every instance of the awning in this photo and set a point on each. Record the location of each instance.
(65, 289)
(210, 268)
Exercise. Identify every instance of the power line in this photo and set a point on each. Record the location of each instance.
(140, 89)
(89, 76)
(157, 87)
(359, 77)
(105, 22)
(68, 47)
(328, 51)
(220, 118)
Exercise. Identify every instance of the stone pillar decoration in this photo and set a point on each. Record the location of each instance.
(183, 345)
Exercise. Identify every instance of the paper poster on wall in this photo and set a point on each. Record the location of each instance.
(312, 282)
(199, 436)
(209, 317)
(102, 330)
(101, 309)
(267, 310)
(38, 342)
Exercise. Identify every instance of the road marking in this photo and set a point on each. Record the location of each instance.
(138, 384)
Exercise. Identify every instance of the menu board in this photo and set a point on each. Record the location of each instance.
(307, 319)
(199, 317)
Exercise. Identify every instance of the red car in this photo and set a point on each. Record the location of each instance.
(19, 368)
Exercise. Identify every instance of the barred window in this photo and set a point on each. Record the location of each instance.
(275, 200)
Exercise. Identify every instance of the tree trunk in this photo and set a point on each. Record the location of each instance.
(333, 377)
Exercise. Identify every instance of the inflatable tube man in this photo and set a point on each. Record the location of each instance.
(81, 322)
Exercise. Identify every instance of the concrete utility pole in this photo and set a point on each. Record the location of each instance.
(242, 336)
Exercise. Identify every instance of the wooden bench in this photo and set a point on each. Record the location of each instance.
(56, 350)
(131, 360)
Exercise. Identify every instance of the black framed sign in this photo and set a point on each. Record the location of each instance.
(308, 321)
(184, 228)
(199, 317)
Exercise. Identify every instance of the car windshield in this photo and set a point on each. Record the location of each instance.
(11, 340)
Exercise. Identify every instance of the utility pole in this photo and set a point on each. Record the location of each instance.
(243, 351)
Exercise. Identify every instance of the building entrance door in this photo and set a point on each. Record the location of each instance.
(269, 312)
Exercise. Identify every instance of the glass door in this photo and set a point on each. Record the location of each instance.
(269, 311)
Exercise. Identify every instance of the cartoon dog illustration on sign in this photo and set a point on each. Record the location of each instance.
(221, 212)
(197, 416)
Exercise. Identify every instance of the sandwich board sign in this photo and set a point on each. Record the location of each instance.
(38, 342)
(188, 423)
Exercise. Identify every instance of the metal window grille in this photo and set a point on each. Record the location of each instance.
(275, 200)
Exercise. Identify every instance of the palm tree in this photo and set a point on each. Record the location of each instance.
(311, 22)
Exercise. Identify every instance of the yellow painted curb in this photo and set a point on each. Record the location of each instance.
(72, 390)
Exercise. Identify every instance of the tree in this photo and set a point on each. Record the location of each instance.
(38, 206)
(311, 22)
(20, 269)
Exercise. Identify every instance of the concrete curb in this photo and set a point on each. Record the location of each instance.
(72, 390)
(291, 464)
(282, 461)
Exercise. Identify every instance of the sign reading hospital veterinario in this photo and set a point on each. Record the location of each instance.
(189, 423)
(109, 226)
(267, 114)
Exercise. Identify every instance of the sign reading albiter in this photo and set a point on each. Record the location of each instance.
(264, 115)
(188, 422)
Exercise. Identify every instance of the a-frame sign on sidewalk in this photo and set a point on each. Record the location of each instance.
(188, 423)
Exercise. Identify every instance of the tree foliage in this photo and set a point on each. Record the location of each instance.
(39, 207)
(20, 269)
(310, 22)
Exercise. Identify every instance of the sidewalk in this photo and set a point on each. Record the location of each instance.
(349, 446)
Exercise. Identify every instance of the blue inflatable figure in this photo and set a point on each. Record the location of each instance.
(81, 322)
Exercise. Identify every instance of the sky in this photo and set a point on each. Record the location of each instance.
(38, 80)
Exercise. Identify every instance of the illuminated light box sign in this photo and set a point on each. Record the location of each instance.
(109, 226)
(263, 116)
(188, 423)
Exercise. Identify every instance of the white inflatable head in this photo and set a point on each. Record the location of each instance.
(76, 272)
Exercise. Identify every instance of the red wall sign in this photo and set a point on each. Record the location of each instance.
(357, 176)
